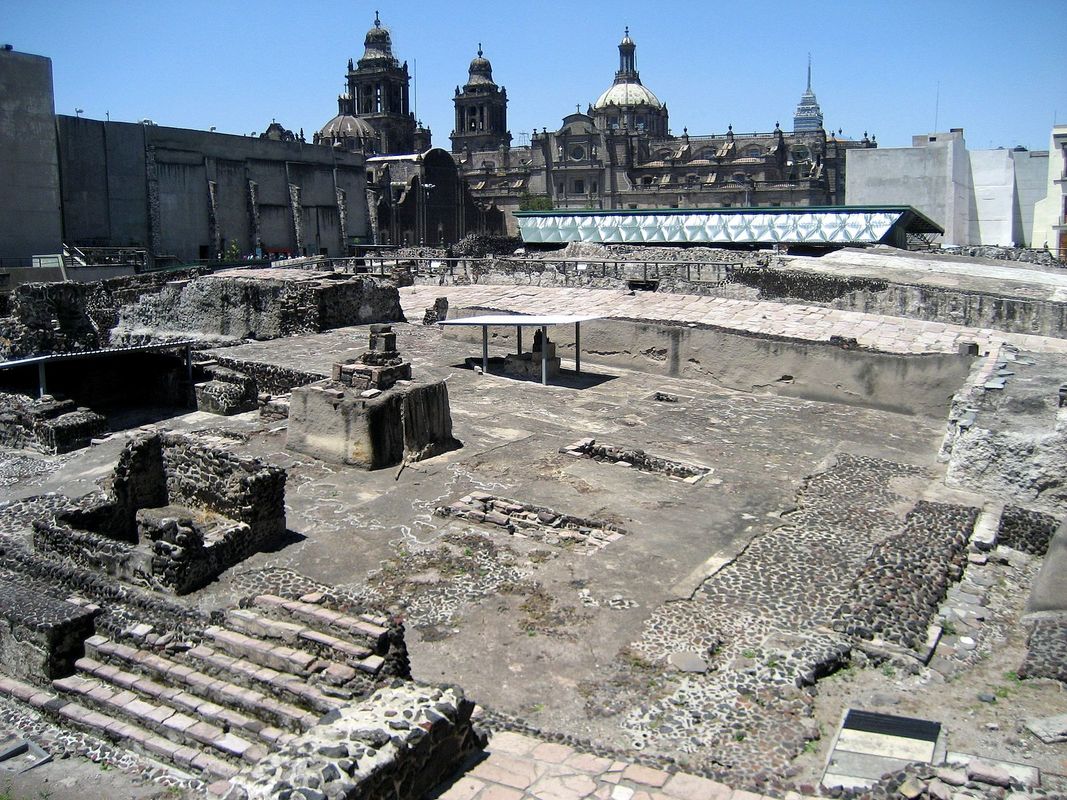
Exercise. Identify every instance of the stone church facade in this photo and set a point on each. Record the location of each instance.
(620, 154)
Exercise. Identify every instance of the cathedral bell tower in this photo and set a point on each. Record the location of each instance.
(378, 92)
(481, 110)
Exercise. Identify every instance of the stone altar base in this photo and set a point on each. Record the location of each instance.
(528, 365)
(336, 423)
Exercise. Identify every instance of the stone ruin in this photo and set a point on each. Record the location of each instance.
(41, 637)
(369, 413)
(529, 364)
(177, 515)
(49, 425)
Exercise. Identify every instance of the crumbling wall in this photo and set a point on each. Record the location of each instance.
(40, 638)
(270, 378)
(43, 318)
(259, 304)
(399, 743)
(48, 425)
(177, 515)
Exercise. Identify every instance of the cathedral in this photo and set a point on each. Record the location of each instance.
(619, 154)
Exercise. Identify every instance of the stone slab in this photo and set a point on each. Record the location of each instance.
(879, 744)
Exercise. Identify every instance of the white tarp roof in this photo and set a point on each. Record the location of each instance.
(522, 320)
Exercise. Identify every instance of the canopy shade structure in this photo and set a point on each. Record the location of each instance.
(520, 321)
(829, 226)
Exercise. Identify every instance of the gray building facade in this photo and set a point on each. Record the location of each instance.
(29, 166)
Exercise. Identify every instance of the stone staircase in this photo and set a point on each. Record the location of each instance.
(255, 681)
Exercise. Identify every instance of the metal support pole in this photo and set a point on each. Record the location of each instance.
(544, 355)
(518, 336)
(42, 385)
(485, 349)
(577, 347)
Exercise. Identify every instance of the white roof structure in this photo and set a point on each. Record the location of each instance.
(521, 320)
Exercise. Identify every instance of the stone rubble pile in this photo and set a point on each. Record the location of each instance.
(636, 458)
(975, 780)
(1027, 255)
(534, 522)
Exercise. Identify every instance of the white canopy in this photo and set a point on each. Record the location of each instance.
(521, 320)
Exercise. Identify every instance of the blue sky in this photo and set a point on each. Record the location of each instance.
(878, 65)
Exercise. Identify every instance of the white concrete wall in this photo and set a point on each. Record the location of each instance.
(993, 179)
(1031, 185)
(933, 177)
(1049, 212)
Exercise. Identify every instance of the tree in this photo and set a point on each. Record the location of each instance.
(535, 202)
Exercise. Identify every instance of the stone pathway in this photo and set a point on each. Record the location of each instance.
(795, 321)
(520, 767)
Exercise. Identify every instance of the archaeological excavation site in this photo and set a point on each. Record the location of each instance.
(600, 521)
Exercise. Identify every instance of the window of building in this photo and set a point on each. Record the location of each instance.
(577, 153)
(613, 122)
(753, 152)
(631, 206)
(739, 177)
(800, 153)
(579, 186)
(727, 205)
(692, 180)
(488, 165)
(674, 205)
(776, 205)
(647, 180)
(562, 189)
(596, 187)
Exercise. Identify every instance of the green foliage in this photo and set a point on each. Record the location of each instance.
(535, 202)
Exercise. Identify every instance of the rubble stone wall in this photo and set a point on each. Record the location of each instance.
(179, 513)
(40, 638)
(399, 743)
(270, 378)
(258, 306)
(47, 425)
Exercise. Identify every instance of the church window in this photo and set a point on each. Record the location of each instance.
(579, 186)
(800, 153)
(577, 153)
(692, 180)
(561, 189)
(647, 180)
(753, 152)
(595, 187)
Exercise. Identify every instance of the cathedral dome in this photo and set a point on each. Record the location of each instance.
(346, 128)
(627, 94)
(379, 44)
(481, 71)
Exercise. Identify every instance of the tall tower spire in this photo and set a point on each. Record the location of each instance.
(808, 116)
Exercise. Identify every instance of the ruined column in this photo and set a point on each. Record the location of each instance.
(342, 218)
(155, 244)
(253, 217)
(213, 217)
(298, 218)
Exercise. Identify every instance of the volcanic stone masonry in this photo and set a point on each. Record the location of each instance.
(50, 425)
(40, 638)
(43, 318)
(179, 513)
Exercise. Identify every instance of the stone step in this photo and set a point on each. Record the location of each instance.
(126, 733)
(279, 683)
(312, 613)
(165, 670)
(324, 645)
(160, 717)
(184, 701)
